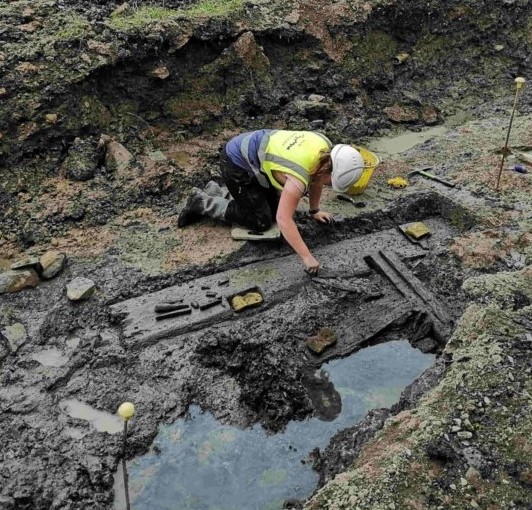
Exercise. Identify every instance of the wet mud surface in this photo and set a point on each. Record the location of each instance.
(170, 91)
(244, 369)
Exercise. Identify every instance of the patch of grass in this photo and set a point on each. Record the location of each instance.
(145, 15)
(74, 27)
(142, 17)
(211, 8)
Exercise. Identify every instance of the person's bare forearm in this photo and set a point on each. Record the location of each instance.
(292, 236)
(314, 195)
(285, 221)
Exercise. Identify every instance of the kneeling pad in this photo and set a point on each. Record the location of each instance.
(244, 234)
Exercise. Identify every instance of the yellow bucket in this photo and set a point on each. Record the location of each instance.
(371, 161)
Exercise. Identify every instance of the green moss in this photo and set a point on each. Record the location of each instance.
(146, 15)
(371, 52)
(459, 217)
(210, 8)
(430, 47)
(73, 26)
(500, 288)
(141, 17)
(91, 112)
(194, 109)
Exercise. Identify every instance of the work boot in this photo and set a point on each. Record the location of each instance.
(213, 189)
(200, 204)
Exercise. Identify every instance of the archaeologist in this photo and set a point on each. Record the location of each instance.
(267, 172)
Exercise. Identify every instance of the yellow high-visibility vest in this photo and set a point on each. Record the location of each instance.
(292, 152)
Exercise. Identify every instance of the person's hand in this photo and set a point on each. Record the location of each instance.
(311, 265)
(323, 217)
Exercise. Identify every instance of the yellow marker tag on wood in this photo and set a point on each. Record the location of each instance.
(417, 230)
(239, 303)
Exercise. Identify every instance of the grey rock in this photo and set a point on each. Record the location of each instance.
(27, 263)
(312, 110)
(15, 335)
(80, 288)
(7, 503)
(108, 337)
(474, 458)
(81, 162)
(16, 280)
(52, 263)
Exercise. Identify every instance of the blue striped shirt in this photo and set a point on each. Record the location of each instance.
(233, 149)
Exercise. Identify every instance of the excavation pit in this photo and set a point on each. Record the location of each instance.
(374, 289)
(201, 463)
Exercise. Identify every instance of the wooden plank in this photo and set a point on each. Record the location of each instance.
(438, 308)
(390, 266)
(279, 279)
(370, 320)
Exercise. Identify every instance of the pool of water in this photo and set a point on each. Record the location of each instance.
(388, 146)
(205, 465)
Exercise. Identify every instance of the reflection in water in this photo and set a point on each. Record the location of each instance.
(327, 401)
(203, 465)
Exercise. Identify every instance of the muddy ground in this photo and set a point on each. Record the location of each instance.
(167, 88)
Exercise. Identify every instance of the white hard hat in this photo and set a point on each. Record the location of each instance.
(347, 167)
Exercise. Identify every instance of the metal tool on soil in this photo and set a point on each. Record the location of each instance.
(423, 172)
(126, 411)
(519, 83)
(347, 198)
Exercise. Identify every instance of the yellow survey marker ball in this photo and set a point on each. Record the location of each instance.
(519, 82)
(126, 410)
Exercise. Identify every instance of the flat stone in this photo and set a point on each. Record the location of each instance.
(80, 288)
(117, 157)
(15, 335)
(52, 263)
(323, 339)
(157, 156)
(160, 72)
(17, 280)
(27, 263)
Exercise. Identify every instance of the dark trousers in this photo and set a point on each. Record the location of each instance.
(252, 206)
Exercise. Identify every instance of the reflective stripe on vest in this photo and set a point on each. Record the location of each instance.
(244, 149)
(264, 174)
